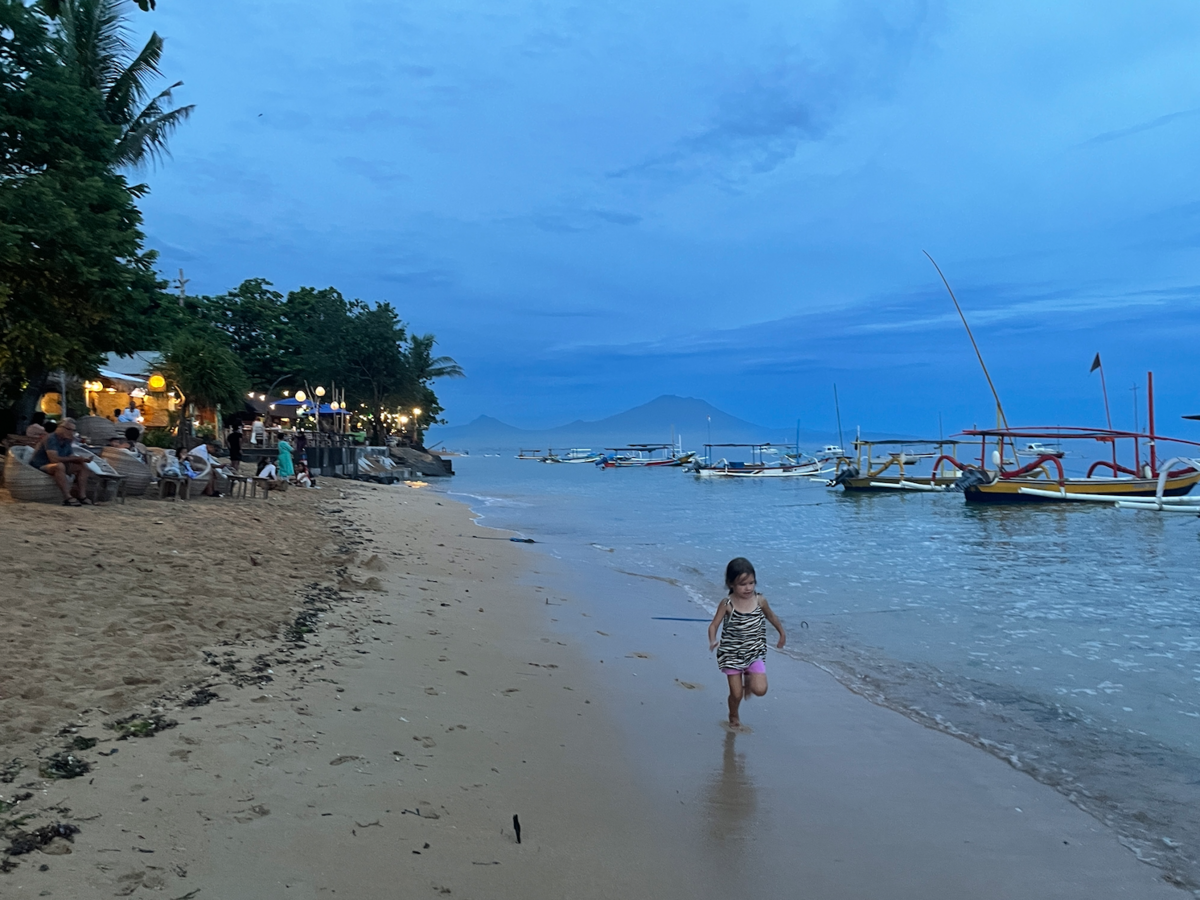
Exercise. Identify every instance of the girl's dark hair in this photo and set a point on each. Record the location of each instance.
(736, 569)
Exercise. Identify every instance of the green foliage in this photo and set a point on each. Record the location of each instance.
(204, 369)
(158, 437)
(316, 336)
(75, 281)
(90, 41)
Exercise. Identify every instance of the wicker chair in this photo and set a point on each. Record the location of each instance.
(137, 473)
(25, 482)
(96, 430)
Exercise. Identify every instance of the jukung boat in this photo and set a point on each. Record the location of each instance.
(647, 456)
(575, 455)
(757, 467)
(531, 455)
(893, 470)
(1107, 480)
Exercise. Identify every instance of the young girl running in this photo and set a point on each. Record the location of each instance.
(742, 650)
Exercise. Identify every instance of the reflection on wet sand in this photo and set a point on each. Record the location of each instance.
(732, 796)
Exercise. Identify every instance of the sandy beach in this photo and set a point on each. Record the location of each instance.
(354, 691)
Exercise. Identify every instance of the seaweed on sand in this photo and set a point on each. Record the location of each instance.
(305, 623)
(10, 771)
(28, 841)
(202, 697)
(141, 726)
(64, 765)
(79, 742)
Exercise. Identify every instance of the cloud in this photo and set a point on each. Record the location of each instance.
(377, 171)
(566, 221)
(1159, 122)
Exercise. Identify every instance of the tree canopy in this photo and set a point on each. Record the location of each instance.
(75, 279)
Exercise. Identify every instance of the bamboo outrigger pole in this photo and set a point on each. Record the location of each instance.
(982, 364)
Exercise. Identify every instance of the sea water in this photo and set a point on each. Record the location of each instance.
(1065, 638)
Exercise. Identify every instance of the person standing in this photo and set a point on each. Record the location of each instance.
(234, 440)
(284, 465)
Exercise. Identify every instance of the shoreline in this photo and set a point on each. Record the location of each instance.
(581, 717)
(1141, 790)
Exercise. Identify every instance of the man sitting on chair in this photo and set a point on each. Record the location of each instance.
(58, 457)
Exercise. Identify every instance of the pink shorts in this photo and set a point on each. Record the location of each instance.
(758, 667)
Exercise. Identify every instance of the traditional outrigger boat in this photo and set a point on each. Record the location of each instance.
(647, 456)
(575, 455)
(866, 471)
(1045, 480)
(531, 455)
(757, 467)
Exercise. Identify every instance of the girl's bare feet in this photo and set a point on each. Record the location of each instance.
(733, 712)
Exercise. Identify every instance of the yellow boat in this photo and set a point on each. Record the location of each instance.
(1044, 480)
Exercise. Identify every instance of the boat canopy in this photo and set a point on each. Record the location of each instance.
(1070, 432)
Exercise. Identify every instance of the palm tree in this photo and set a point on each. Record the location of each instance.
(91, 41)
(424, 366)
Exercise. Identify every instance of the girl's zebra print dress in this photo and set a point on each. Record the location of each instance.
(743, 638)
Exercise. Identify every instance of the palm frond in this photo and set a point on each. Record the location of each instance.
(146, 140)
(132, 85)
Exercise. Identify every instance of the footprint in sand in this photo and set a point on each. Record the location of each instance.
(689, 685)
(338, 760)
(638, 655)
(431, 691)
(427, 742)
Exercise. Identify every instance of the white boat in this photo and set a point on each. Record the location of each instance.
(757, 466)
(1034, 448)
(574, 455)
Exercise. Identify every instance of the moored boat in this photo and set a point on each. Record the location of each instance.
(1045, 480)
(894, 470)
(760, 465)
(645, 456)
(575, 455)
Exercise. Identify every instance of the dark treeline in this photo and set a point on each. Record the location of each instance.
(78, 115)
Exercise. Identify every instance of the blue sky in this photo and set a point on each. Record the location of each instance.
(592, 204)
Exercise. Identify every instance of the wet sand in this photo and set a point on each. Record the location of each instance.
(452, 679)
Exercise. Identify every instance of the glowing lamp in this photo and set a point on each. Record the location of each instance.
(320, 391)
(334, 406)
(301, 396)
(416, 411)
(157, 382)
(404, 420)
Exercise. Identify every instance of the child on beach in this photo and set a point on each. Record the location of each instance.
(742, 649)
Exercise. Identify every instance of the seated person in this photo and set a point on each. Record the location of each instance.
(132, 414)
(133, 437)
(205, 460)
(267, 470)
(58, 457)
(303, 478)
(37, 425)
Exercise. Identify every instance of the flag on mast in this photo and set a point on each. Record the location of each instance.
(1103, 387)
(1095, 364)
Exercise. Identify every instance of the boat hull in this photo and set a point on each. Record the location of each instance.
(890, 483)
(763, 472)
(1009, 490)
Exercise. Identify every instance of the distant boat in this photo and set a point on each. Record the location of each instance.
(757, 466)
(574, 455)
(645, 456)
(534, 455)
(1035, 448)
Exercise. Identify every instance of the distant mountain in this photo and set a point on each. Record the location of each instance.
(652, 422)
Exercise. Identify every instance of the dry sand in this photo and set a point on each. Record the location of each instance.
(450, 680)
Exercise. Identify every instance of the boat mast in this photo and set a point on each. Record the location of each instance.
(1150, 420)
(838, 409)
(999, 408)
